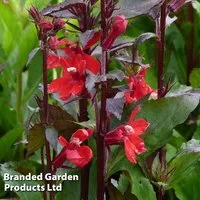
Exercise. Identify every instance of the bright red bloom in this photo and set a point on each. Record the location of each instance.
(129, 135)
(72, 151)
(74, 63)
(118, 27)
(138, 87)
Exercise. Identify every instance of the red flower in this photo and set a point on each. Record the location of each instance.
(72, 81)
(119, 26)
(138, 87)
(74, 63)
(129, 135)
(72, 151)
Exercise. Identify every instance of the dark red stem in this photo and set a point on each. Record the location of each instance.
(85, 172)
(161, 27)
(45, 108)
(101, 148)
(161, 49)
(43, 170)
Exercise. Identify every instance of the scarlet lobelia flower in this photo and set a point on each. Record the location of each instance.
(129, 134)
(72, 151)
(74, 63)
(138, 87)
(118, 27)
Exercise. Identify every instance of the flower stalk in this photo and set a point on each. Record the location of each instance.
(44, 46)
(101, 147)
(161, 27)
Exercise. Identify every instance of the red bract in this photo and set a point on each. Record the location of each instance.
(74, 63)
(72, 151)
(138, 87)
(119, 26)
(129, 135)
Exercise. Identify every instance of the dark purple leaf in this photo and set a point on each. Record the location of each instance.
(91, 81)
(116, 74)
(175, 5)
(68, 9)
(115, 106)
(134, 8)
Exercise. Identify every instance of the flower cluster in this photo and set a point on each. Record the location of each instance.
(74, 62)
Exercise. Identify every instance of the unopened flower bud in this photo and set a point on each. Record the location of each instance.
(45, 25)
(58, 24)
(119, 26)
(35, 14)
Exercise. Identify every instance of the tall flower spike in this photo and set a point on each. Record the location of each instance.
(118, 27)
(129, 135)
(72, 151)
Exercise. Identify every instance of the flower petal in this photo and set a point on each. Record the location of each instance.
(133, 145)
(93, 40)
(62, 141)
(82, 134)
(114, 137)
(54, 61)
(92, 63)
(129, 150)
(80, 156)
(60, 158)
(139, 126)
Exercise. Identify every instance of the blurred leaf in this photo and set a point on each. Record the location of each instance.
(7, 140)
(195, 78)
(8, 119)
(34, 76)
(36, 138)
(134, 8)
(22, 195)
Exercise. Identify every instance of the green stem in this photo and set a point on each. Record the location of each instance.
(19, 113)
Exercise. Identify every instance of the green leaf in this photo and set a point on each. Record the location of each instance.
(71, 189)
(133, 8)
(34, 76)
(123, 183)
(184, 162)
(140, 185)
(163, 115)
(8, 118)
(188, 188)
(36, 138)
(22, 195)
(7, 140)
(195, 78)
